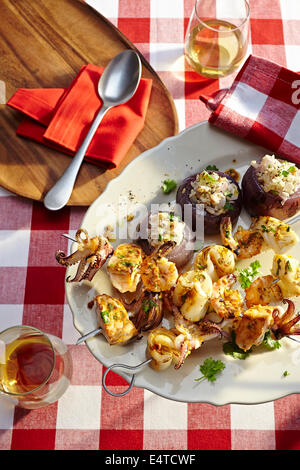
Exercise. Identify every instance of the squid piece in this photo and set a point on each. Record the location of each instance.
(157, 272)
(162, 348)
(217, 260)
(124, 267)
(114, 321)
(91, 255)
(192, 294)
(148, 311)
(286, 268)
(287, 323)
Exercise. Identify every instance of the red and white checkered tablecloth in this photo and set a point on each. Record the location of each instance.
(86, 417)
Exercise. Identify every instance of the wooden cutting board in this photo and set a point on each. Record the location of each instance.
(44, 44)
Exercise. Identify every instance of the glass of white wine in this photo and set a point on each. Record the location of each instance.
(217, 36)
(35, 367)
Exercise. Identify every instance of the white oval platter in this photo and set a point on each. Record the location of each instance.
(257, 379)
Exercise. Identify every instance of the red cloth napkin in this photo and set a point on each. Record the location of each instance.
(262, 105)
(60, 118)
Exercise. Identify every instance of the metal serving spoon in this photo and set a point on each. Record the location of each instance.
(117, 84)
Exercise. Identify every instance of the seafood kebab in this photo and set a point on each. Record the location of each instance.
(151, 281)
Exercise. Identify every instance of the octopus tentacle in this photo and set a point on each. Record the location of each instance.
(284, 325)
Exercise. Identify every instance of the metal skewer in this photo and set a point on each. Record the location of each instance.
(88, 335)
(69, 237)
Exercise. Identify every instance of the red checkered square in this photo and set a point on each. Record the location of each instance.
(195, 85)
(76, 217)
(167, 30)
(273, 52)
(136, 29)
(86, 369)
(33, 439)
(266, 31)
(77, 439)
(287, 413)
(113, 379)
(237, 123)
(15, 213)
(171, 439)
(42, 418)
(43, 219)
(269, 9)
(209, 439)
(249, 439)
(126, 439)
(130, 9)
(195, 112)
(48, 318)
(287, 440)
(43, 246)
(132, 406)
(284, 114)
(5, 439)
(44, 286)
(12, 285)
(263, 136)
(204, 416)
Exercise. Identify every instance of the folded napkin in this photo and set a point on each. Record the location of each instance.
(262, 105)
(60, 118)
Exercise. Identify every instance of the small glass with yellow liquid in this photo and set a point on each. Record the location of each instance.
(217, 36)
(35, 367)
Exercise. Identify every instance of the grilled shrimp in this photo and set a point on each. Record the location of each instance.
(192, 294)
(124, 266)
(157, 273)
(276, 234)
(250, 243)
(227, 303)
(286, 268)
(263, 291)
(217, 260)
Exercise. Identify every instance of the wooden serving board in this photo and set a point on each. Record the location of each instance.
(44, 44)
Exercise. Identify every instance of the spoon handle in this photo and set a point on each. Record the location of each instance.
(60, 193)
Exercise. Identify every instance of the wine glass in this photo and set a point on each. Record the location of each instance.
(217, 36)
(35, 367)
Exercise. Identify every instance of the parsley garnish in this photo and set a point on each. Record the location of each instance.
(286, 373)
(148, 304)
(246, 276)
(228, 206)
(290, 170)
(271, 343)
(232, 349)
(212, 168)
(127, 263)
(210, 368)
(168, 186)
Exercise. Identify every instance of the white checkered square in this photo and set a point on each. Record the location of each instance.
(230, 9)
(79, 408)
(10, 315)
(167, 57)
(160, 413)
(69, 332)
(246, 101)
(166, 8)
(107, 8)
(292, 53)
(253, 417)
(6, 413)
(293, 134)
(14, 247)
(290, 9)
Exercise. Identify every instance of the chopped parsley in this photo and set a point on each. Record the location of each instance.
(127, 263)
(228, 206)
(286, 373)
(212, 168)
(232, 349)
(271, 343)
(210, 369)
(148, 304)
(247, 275)
(291, 169)
(268, 229)
(105, 316)
(168, 186)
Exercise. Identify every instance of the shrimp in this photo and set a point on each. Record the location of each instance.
(227, 303)
(263, 291)
(276, 234)
(192, 294)
(123, 267)
(217, 260)
(286, 268)
(157, 273)
(226, 235)
(250, 243)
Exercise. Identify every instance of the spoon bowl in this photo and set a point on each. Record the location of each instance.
(116, 86)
